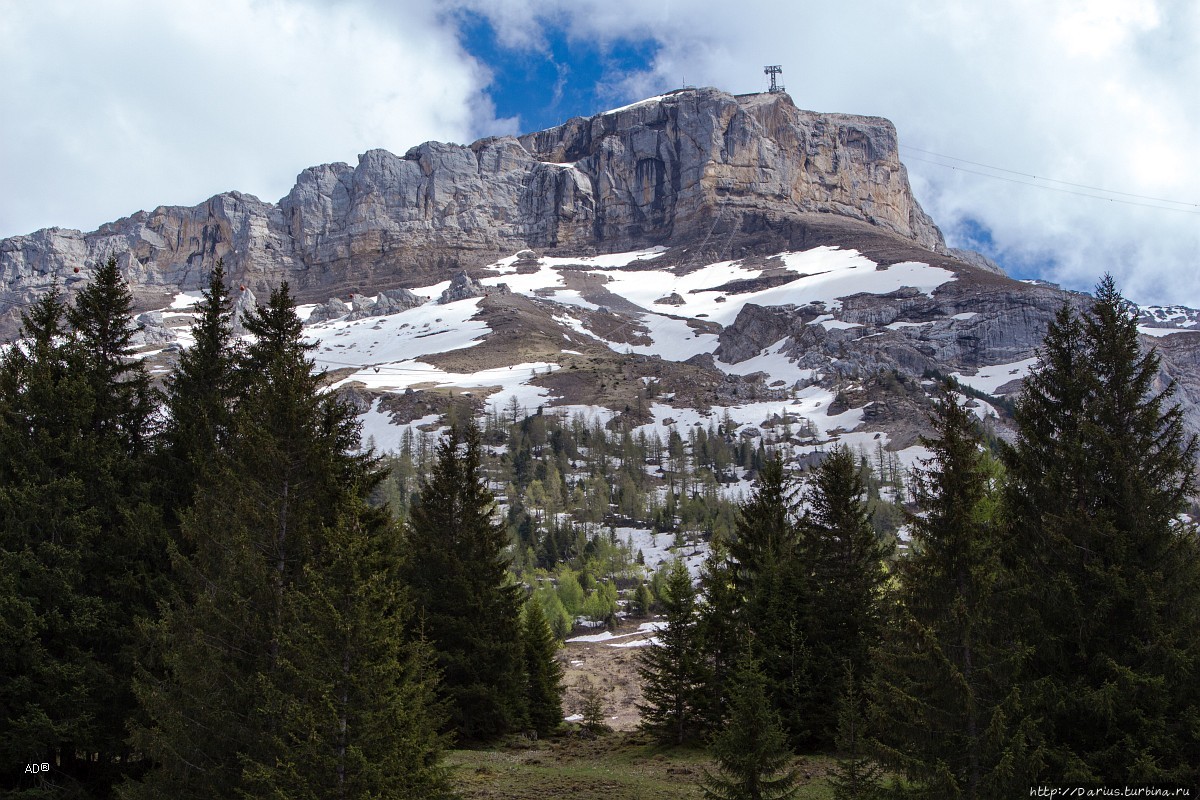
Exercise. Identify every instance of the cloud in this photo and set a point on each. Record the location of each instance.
(1090, 92)
(114, 105)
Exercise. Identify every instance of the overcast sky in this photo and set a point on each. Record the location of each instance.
(112, 106)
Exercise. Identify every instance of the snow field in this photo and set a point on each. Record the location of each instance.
(989, 379)
(608, 636)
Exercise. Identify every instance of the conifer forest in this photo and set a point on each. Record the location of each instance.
(211, 587)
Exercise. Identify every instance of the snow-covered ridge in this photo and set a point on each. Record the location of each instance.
(388, 353)
(1160, 321)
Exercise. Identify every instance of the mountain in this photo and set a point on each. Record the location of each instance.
(682, 258)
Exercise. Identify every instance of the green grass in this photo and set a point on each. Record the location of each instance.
(614, 766)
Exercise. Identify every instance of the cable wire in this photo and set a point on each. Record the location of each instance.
(1061, 191)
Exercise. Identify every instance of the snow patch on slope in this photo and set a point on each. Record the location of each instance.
(989, 379)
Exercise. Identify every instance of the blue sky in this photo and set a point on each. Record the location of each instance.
(1019, 122)
(562, 79)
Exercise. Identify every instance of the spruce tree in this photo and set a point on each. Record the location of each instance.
(127, 565)
(944, 705)
(1097, 481)
(672, 672)
(284, 664)
(47, 529)
(751, 750)
(761, 595)
(765, 535)
(843, 575)
(81, 518)
(101, 317)
(199, 399)
(542, 670)
(354, 697)
(857, 776)
(466, 605)
(722, 618)
(592, 709)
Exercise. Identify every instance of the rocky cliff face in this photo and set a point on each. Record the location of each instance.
(722, 173)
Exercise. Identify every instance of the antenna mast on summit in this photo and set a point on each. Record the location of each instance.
(773, 71)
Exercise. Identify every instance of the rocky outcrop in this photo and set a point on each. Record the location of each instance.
(698, 166)
(701, 160)
(361, 307)
(463, 287)
(961, 327)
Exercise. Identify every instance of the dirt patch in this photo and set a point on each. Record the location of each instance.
(523, 331)
(611, 669)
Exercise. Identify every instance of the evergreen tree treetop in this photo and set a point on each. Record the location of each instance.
(278, 333)
(200, 398)
(751, 751)
(1098, 479)
(456, 565)
(101, 318)
(765, 534)
(673, 672)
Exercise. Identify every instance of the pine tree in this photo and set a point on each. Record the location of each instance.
(943, 694)
(857, 777)
(355, 697)
(672, 672)
(1098, 478)
(842, 563)
(751, 751)
(466, 604)
(47, 529)
(287, 634)
(199, 398)
(542, 670)
(765, 600)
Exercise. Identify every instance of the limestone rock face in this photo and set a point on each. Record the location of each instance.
(694, 166)
(696, 158)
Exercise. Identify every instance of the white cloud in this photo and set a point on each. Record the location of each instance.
(1092, 92)
(116, 105)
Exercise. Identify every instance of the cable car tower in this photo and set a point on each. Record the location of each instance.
(773, 71)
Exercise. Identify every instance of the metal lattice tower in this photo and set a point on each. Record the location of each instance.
(773, 71)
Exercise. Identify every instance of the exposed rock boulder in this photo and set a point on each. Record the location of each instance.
(333, 308)
(463, 286)
(360, 306)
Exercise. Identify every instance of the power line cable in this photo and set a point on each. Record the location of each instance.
(1056, 189)
(1050, 180)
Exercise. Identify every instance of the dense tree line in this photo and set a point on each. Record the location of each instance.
(1044, 625)
(200, 598)
(563, 478)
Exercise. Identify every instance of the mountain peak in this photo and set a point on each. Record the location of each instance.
(698, 169)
